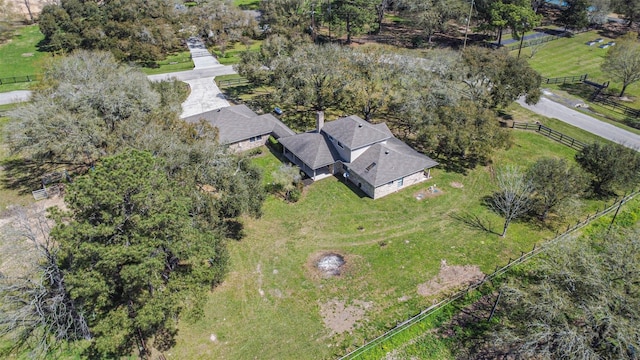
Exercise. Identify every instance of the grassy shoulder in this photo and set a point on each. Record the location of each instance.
(271, 302)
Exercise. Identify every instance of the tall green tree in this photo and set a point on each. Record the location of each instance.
(463, 134)
(133, 257)
(495, 78)
(354, 16)
(611, 166)
(622, 62)
(517, 15)
(554, 182)
(432, 16)
(574, 14)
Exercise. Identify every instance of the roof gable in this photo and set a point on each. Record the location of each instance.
(354, 132)
(312, 148)
(383, 163)
(238, 123)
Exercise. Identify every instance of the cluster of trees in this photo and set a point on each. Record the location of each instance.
(549, 184)
(143, 238)
(141, 31)
(440, 102)
(579, 300)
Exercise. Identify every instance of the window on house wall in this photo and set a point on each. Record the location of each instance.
(252, 139)
(259, 137)
(400, 182)
(340, 144)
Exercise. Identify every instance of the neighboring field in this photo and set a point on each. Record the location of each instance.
(20, 56)
(271, 304)
(571, 56)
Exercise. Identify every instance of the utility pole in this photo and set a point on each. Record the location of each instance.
(466, 29)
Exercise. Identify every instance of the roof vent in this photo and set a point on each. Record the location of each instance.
(360, 125)
(386, 151)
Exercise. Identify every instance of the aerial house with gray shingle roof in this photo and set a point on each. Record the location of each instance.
(242, 129)
(366, 154)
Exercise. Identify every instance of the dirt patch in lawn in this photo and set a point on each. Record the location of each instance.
(450, 278)
(428, 193)
(457, 185)
(341, 317)
(328, 264)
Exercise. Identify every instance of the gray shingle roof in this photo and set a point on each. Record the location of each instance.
(354, 132)
(238, 123)
(383, 163)
(312, 148)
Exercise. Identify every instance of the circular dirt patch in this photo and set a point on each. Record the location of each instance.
(330, 264)
(27, 55)
(456, 185)
(327, 264)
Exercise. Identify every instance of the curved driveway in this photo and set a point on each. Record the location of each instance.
(551, 109)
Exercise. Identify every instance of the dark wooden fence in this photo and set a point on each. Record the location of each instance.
(232, 82)
(524, 256)
(624, 109)
(550, 133)
(566, 79)
(18, 79)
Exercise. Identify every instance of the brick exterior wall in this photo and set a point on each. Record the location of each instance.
(248, 144)
(407, 181)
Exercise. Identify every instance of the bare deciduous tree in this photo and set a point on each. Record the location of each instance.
(513, 198)
(36, 311)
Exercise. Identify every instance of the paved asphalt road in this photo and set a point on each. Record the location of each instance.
(552, 109)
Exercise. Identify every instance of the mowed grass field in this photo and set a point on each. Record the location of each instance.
(572, 57)
(20, 57)
(269, 306)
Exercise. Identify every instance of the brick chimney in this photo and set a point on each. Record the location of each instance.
(319, 120)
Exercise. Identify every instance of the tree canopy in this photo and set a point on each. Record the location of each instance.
(132, 254)
(132, 30)
(496, 79)
(611, 167)
(580, 300)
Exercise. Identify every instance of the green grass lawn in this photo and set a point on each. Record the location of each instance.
(571, 56)
(269, 305)
(175, 62)
(232, 53)
(247, 4)
(20, 56)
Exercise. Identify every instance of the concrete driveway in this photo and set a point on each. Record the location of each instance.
(605, 130)
(205, 96)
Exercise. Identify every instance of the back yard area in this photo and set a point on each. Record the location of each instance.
(276, 303)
